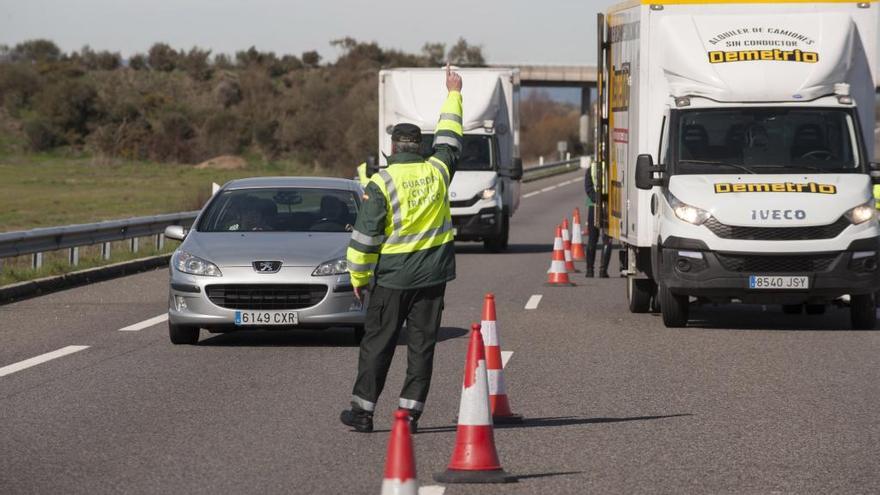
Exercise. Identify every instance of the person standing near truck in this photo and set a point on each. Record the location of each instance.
(593, 231)
(403, 242)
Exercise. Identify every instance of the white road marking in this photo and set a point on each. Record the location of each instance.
(432, 490)
(505, 357)
(146, 323)
(42, 358)
(550, 188)
(534, 301)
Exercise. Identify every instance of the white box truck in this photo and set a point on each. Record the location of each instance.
(485, 191)
(736, 142)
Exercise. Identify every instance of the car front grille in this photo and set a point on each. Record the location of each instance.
(776, 264)
(829, 231)
(464, 203)
(266, 296)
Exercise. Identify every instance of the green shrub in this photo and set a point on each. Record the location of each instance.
(39, 133)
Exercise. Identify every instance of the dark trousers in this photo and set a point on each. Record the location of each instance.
(593, 239)
(387, 309)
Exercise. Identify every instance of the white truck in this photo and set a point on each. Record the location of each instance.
(485, 191)
(736, 141)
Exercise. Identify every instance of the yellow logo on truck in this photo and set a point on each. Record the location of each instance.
(775, 55)
(776, 187)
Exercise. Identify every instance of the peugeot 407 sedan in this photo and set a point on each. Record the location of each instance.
(266, 253)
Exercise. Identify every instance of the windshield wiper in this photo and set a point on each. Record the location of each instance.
(806, 167)
(711, 162)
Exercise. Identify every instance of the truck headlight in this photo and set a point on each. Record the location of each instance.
(688, 213)
(193, 265)
(332, 267)
(488, 193)
(862, 213)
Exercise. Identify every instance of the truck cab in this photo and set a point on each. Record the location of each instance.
(736, 141)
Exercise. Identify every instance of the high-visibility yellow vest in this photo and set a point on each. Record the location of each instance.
(417, 199)
(362, 174)
(877, 196)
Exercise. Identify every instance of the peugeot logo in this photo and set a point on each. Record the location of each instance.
(267, 266)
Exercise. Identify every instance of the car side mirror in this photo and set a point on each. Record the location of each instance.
(175, 232)
(515, 172)
(645, 169)
(874, 172)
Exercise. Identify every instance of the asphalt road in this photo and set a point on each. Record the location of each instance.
(744, 400)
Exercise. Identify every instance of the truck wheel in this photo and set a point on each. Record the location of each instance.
(639, 292)
(499, 243)
(792, 309)
(674, 308)
(183, 334)
(815, 309)
(862, 313)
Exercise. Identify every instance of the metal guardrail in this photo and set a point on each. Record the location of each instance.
(72, 237)
(547, 169)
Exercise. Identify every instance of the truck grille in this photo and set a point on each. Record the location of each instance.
(266, 296)
(829, 231)
(780, 264)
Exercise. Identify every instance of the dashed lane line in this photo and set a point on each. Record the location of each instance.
(42, 358)
(550, 188)
(534, 301)
(145, 324)
(432, 490)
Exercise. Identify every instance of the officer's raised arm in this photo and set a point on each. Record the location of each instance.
(448, 135)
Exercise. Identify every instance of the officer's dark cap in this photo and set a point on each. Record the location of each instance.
(406, 133)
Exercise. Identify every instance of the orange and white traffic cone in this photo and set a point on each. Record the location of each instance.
(498, 402)
(566, 246)
(400, 465)
(474, 458)
(557, 274)
(578, 253)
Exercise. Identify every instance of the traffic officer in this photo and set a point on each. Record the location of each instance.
(593, 196)
(403, 240)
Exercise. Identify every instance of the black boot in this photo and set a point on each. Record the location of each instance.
(413, 419)
(360, 420)
(603, 273)
(590, 273)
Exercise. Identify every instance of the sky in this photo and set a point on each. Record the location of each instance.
(511, 31)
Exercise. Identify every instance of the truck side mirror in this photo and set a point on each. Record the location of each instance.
(645, 169)
(874, 172)
(175, 232)
(515, 172)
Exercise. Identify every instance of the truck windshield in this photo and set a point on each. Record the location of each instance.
(764, 140)
(476, 155)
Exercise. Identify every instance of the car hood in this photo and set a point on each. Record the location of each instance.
(290, 248)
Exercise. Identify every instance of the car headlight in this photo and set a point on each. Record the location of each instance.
(188, 263)
(688, 213)
(862, 213)
(488, 193)
(332, 267)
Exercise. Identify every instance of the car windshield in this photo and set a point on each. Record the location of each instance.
(765, 140)
(477, 152)
(287, 209)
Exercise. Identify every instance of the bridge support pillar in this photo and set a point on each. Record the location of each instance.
(584, 131)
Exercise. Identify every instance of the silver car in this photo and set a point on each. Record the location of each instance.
(266, 253)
